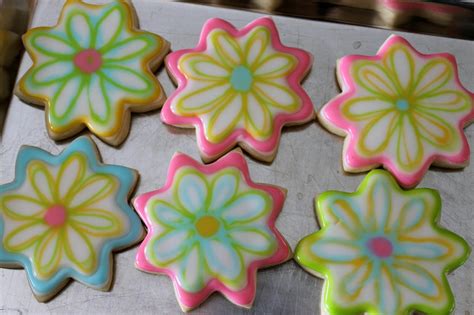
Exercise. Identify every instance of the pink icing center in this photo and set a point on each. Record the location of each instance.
(55, 216)
(380, 247)
(88, 61)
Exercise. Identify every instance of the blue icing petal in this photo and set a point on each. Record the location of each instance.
(425, 250)
(126, 178)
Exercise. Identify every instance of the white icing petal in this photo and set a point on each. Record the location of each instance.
(25, 236)
(189, 276)
(192, 192)
(203, 100)
(22, 207)
(108, 28)
(78, 247)
(378, 131)
(409, 145)
(433, 76)
(275, 94)
(256, 239)
(275, 66)
(167, 214)
(248, 207)
(336, 250)
(80, 30)
(375, 80)
(70, 175)
(126, 49)
(388, 294)
(51, 72)
(170, 245)
(53, 46)
(412, 214)
(402, 65)
(99, 102)
(224, 188)
(67, 96)
(357, 279)
(222, 259)
(417, 279)
(366, 107)
(380, 204)
(224, 119)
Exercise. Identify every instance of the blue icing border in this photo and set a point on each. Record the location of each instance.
(126, 177)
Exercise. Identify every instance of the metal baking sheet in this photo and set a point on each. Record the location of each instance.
(308, 163)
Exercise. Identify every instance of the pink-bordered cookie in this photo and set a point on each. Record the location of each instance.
(238, 87)
(401, 109)
(210, 228)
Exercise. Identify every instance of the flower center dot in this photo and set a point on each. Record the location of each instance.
(241, 79)
(402, 104)
(207, 226)
(88, 61)
(55, 216)
(380, 247)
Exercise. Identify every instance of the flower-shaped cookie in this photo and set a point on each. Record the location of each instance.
(91, 69)
(381, 250)
(63, 215)
(401, 109)
(210, 228)
(238, 87)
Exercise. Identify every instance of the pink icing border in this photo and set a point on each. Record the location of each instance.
(266, 147)
(351, 160)
(245, 296)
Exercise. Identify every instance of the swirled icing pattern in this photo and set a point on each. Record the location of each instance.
(62, 215)
(381, 250)
(402, 109)
(91, 68)
(210, 228)
(238, 86)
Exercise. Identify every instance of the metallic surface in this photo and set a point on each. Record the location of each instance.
(308, 163)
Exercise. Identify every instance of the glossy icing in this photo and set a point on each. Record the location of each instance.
(63, 215)
(91, 68)
(400, 109)
(381, 250)
(210, 228)
(238, 86)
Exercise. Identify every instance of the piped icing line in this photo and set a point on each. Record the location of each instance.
(264, 147)
(92, 69)
(448, 148)
(102, 223)
(192, 297)
(381, 250)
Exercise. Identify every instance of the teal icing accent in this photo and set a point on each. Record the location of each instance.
(402, 104)
(241, 79)
(126, 178)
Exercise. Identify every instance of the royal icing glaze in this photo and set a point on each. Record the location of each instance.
(91, 69)
(63, 215)
(238, 87)
(400, 109)
(381, 250)
(210, 228)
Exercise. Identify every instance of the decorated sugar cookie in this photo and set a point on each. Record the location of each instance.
(400, 109)
(210, 228)
(238, 87)
(381, 250)
(63, 215)
(91, 69)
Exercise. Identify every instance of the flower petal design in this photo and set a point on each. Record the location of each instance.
(424, 249)
(402, 67)
(227, 49)
(42, 182)
(364, 108)
(258, 116)
(246, 207)
(164, 213)
(125, 78)
(79, 249)
(197, 102)
(342, 211)
(97, 222)
(256, 240)
(129, 48)
(445, 101)
(24, 236)
(47, 254)
(434, 75)
(223, 260)
(202, 67)
(276, 95)
(379, 203)
(275, 66)
(409, 146)
(21, 207)
(377, 133)
(223, 188)
(192, 191)
(224, 119)
(412, 214)
(417, 279)
(79, 30)
(52, 45)
(336, 250)
(355, 281)
(67, 97)
(434, 129)
(99, 100)
(190, 275)
(374, 79)
(169, 246)
(108, 28)
(92, 190)
(52, 72)
(255, 46)
(388, 295)
(70, 173)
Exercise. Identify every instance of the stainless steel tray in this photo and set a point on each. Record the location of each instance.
(308, 163)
